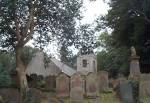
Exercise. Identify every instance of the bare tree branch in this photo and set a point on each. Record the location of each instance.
(30, 22)
(30, 34)
(17, 28)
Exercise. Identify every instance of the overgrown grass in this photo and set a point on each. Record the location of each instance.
(109, 97)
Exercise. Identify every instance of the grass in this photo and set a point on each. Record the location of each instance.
(109, 98)
(104, 98)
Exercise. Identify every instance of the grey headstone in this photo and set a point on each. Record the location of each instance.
(103, 80)
(50, 82)
(76, 93)
(125, 92)
(145, 87)
(91, 85)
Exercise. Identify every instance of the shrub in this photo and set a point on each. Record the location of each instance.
(135, 90)
(5, 80)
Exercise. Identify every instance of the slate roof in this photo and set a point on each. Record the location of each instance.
(64, 68)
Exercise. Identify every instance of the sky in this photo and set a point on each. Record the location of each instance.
(90, 11)
(93, 9)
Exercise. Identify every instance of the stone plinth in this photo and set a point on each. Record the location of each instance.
(134, 68)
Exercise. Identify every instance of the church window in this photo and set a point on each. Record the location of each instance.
(84, 63)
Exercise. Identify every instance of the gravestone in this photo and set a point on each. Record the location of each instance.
(125, 92)
(145, 87)
(102, 81)
(62, 85)
(91, 85)
(76, 93)
(50, 82)
(134, 65)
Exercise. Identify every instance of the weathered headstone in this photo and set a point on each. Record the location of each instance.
(125, 92)
(50, 82)
(134, 65)
(91, 85)
(144, 87)
(103, 80)
(62, 85)
(76, 93)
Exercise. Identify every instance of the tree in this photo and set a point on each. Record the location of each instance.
(23, 20)
(129, 21)
(111, 59)
(5, 80)
(86, 40)
(7, 65)
(68, 35)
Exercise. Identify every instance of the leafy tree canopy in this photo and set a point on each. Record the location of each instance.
(129, 21)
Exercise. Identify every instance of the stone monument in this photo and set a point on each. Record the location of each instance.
(134, 65)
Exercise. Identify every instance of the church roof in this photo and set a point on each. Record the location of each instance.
(36, 66)
(64, 68)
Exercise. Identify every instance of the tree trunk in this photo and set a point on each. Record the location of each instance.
(20, 67)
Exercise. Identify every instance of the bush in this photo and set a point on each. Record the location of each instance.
(5, 80)
(135, 90)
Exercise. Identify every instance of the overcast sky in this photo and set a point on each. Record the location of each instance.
(93, 9)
